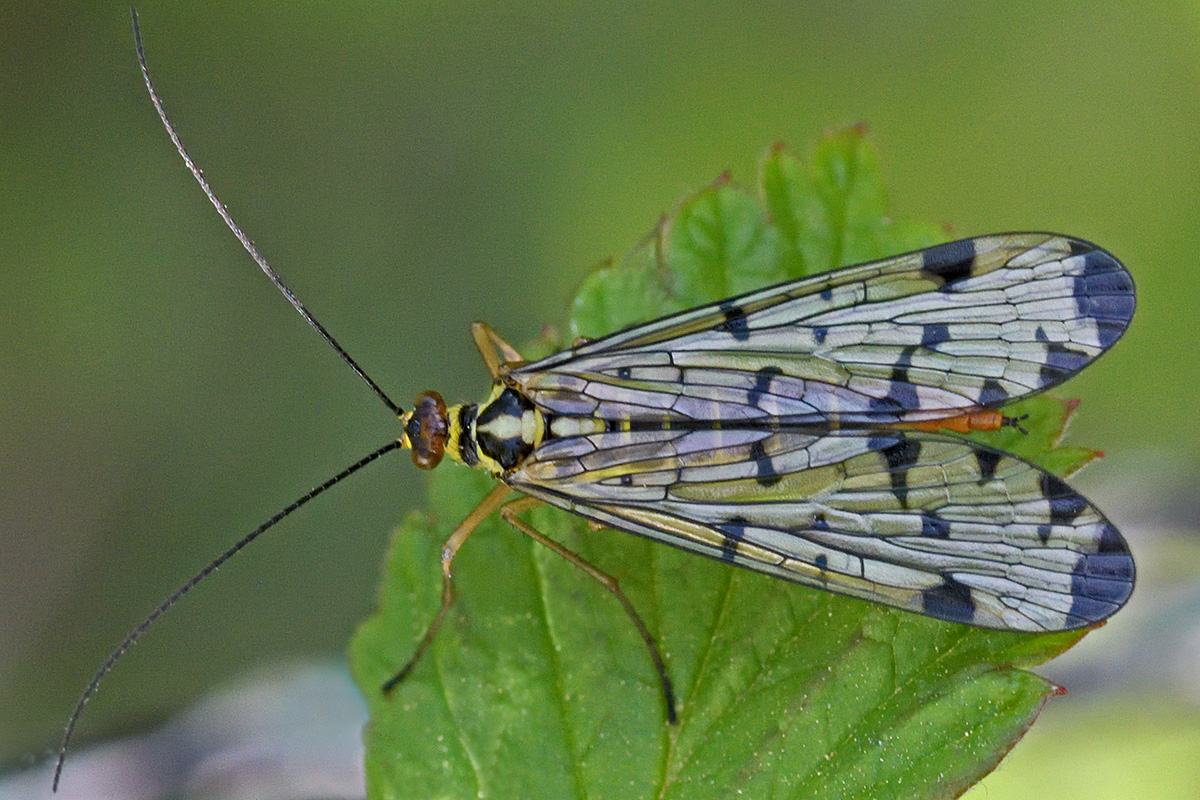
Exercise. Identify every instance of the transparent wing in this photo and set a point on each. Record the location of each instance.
(924, 522)
(966, 325)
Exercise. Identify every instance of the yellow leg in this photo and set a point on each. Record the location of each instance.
(489, 342)
(509, 514)
(494, 500)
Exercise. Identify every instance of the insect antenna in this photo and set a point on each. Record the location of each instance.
(1015, 422)
(242, 237)
(283, 288)
(178, 594)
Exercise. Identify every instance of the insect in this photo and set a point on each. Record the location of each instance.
(803, 431)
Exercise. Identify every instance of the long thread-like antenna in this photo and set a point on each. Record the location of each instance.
(242, 237)
(216, 563)
(191, 584)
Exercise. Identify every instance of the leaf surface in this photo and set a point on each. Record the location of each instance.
(537, 685)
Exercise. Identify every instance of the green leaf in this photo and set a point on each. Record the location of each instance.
(617, 296)
(719, 244)
(537, 685)
(831, 212)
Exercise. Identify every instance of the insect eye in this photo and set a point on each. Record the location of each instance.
(427, 430)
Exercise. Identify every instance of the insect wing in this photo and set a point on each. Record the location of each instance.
(920, 521)
(970, 324)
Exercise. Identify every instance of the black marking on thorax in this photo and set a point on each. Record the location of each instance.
(509, 450)
(468, 450)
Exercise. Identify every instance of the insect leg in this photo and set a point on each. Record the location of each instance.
(509, 514)
(482, 511)
(488, 342)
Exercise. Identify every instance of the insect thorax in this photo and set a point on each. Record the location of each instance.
(495, 435)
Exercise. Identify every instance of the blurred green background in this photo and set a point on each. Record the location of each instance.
(413, 167)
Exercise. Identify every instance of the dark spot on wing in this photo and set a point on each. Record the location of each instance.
(1065, 503)
(1096, 588)
(821, 561)
(819, 333)
(901, 395)
(949, 263)
(934, 526)
(901, 455)
(1101, 582)
(1110, 541)
(734, 530)
(883, 441)
(767, 476)
(1061, 362)
(1104, 292)
(992, 393)
(1108, 331)
(987, 460)
(762, 384)
(934, 334)
(624, 372)
(735, 320)
(827, 294)
(951, 601)
(1079, 247)
(819, 523)
(1040, 335)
